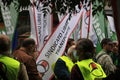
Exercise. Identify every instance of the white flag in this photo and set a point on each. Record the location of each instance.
(55, 46)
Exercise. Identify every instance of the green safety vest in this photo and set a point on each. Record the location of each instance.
(11, 67)
(68, 62)
(91, 70)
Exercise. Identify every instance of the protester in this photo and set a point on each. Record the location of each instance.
(86, 68)
(64, 65)
(104, 59)
(34, 54)
(70, 42)
(116, 59)
(23, 55)
(10, 69)
(115, 54)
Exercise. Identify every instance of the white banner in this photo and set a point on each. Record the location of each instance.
(33, 24)
(84, 28)
(87, 30)
(55, 46)
(40, 25)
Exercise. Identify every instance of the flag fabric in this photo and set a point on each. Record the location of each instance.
(55, 45)
(10, 15)
(33, 33)
(86, 28)
(100, 24)
(86, 25)
(111, 28)
(40, 24)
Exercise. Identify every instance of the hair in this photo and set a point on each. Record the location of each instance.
(105, 41)
(4, 43)
(28, 41)
(71, 49)
(86, 46)
(69, 43)
(70, 40)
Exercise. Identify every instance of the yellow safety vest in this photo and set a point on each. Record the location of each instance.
(12, 67)
(68, 62)
(91, 70)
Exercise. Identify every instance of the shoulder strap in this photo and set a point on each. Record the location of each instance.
(99, 56)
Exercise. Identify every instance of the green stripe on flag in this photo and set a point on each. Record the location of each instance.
(101, 24)
(9, 14)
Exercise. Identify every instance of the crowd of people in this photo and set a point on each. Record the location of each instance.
(79, 61)
(21, 64)
(87, 64)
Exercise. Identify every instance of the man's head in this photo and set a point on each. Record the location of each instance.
(115, 48)
(71, 53)
(70, 42)
(4, 43)
(29, 45)
(85, 49)
(107, 44)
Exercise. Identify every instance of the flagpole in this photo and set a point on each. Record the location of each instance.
(89, 21)
(33, 6)
(116, 15)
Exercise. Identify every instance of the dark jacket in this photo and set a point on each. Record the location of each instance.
(61, 70)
